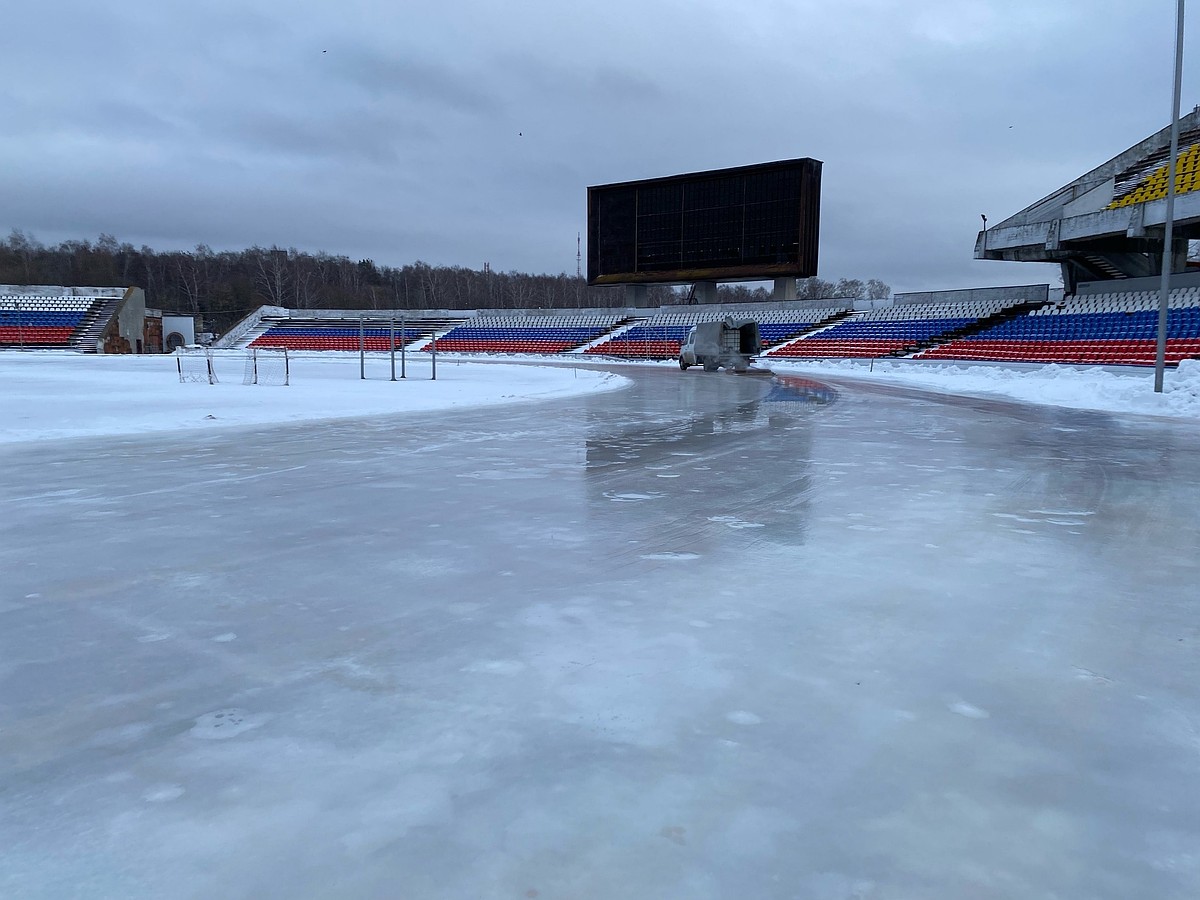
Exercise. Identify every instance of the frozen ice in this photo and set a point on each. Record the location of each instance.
(339, 658)
(743, 717)
(969, 710)
(163, 793)
(223, 724)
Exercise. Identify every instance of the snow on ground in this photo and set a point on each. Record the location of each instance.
(1123, 389)
(58, 395)
(1105, 389)
(53, 394)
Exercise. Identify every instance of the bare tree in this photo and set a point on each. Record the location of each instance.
(814, 288)
(302, 280)
(271, 271)
(26, 248)
(157, 275)
(193, 270)
(850, 288)
(878, 290)
(222, 287)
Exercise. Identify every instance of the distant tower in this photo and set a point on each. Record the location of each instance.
(578, 255)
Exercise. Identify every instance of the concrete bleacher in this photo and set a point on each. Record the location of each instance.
(1148, 181)
(1100, 326)
(622, 333)
(341, 331)
(660, 335)
(895, 329)
(526, 334)
(1114, 328)
(45, 321)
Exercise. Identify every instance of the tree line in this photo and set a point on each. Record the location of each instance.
(221, 287)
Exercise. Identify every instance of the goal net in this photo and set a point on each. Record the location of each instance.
(267, 365)
(195, 364)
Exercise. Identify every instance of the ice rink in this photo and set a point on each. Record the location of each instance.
(705, 637)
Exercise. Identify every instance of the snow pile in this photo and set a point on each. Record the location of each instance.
(60, 395)
(1082, 388)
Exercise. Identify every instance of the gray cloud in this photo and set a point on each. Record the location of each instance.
(466, 132)
(434, 84)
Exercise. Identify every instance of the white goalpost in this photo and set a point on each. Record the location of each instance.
(195, 364)
(267, 365)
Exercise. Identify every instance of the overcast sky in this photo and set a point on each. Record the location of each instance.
(463, 131)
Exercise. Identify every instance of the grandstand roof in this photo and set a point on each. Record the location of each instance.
(1108, 223)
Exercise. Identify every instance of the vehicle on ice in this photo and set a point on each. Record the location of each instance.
(731, 343)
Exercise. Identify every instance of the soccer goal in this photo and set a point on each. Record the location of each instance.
(267, 365)
(195, 364)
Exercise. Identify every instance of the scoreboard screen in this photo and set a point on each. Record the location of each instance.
(747, 223)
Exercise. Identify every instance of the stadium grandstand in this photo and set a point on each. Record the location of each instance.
(660, 336)
(528, 334)
(339, 331)
(1107, 225)
(1015, 324)
(901, 329)
(82, 319)
(1104, 328)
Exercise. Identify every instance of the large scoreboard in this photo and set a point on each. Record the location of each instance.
(740, 224)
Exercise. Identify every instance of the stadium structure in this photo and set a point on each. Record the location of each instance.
(88, 320)
(1105, 228)
(1108, 225)
(761, 222)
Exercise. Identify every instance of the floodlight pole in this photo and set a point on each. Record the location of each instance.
(1164, 289)
(362, 354)
(403, 343)
(982, 216)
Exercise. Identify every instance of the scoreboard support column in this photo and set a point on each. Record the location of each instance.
(706, 292)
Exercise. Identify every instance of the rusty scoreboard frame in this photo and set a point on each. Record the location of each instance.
(742, 224)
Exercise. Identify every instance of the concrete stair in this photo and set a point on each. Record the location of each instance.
(616, 331)
(815, 328)
(91, 329)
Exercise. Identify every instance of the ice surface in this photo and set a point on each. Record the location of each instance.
(957, 657)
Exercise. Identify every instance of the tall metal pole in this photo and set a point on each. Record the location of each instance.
(1164, 289)
(434, 355)
(403, 344)
(392, 343)
(362, 352)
